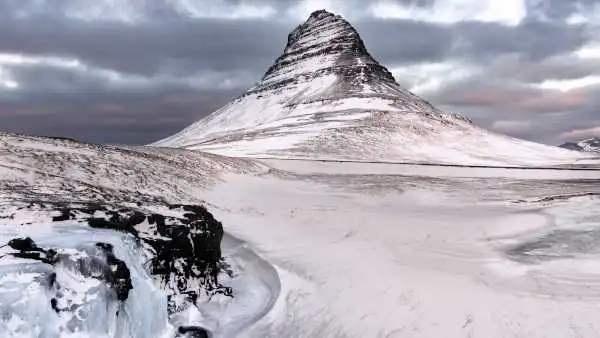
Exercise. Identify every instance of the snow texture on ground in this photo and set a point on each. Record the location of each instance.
(320, 249)
(393, 255)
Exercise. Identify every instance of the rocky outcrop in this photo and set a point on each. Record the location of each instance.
(589, 145)
(325, 44)
(183, 242)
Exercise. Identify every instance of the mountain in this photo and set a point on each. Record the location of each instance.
(588, 145)
(326, 97)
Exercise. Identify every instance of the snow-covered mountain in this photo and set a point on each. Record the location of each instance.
(588, 145)
(326, 97)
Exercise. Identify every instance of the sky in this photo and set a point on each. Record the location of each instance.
(135, 71)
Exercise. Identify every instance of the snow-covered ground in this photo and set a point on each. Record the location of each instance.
(314, 249)
(388, 255)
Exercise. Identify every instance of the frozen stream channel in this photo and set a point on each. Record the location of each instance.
(87, 305)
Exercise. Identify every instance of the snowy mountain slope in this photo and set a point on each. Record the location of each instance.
(327, 97)
(58, 167)
(94, 242)
(588, 145)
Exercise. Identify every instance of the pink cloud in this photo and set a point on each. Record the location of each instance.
(512, 126)
(582, 133)
(534, 100)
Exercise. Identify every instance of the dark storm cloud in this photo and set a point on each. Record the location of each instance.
(411, 41)
(110, 116)
(176, 47)
(148, 48)
(178, 43)
(57, 101)
(166, 42)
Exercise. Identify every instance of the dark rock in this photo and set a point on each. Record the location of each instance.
(590, 145)
(119, 276)
(136, 219)
(192, 332)
(571, 146)
(65, 215)
(24, 244)
(187, 248)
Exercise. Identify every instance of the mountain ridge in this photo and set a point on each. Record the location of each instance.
(585, 145)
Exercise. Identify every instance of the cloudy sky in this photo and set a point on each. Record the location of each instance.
(135, 71)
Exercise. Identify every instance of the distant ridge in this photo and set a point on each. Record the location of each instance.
(587, 145)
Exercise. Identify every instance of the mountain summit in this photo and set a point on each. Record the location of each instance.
(326, 44)
(326, 97)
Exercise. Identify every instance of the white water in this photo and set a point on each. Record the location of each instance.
(25, 297)
(25, 305)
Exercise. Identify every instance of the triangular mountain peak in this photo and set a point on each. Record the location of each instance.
(326, 45)
(326, 38)
(326, 97)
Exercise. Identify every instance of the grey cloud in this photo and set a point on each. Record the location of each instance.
(181, 44)
(72, 103)
(148, 48)
(110, 117)
(557, 9)
(65, 102)
(550, 113)
(531, 40)
(560, 67)
(398, 42)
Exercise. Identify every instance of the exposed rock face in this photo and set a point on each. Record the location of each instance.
(589, 145)
(326, 97)
(326, 44)
(182, 243)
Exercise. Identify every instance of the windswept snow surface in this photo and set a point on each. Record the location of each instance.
(78, 171)
(326, 97)
(314, 249)
(364, 254)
